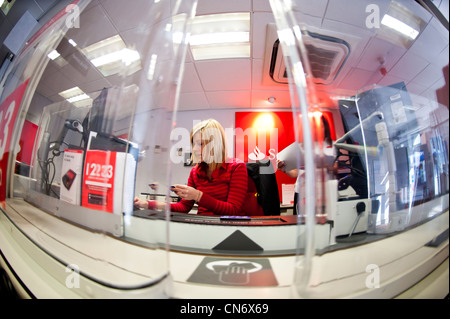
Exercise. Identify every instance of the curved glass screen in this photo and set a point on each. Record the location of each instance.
(387, 172)
(98, 107)
(230, 128)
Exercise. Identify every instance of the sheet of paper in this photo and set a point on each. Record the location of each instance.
(287, 194)
(289, 156)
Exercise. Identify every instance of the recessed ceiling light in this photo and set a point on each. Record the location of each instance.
(125, 55)
(399, 26)
(217, 36)
(111, 55)
(77, 97)
(73, 43)
(53, 55)
(227, 51)
(71, 92)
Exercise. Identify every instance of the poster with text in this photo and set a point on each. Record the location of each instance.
(8, 113)
(98, 180)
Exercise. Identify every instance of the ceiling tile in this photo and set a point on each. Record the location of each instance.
(94, 26)
(355, 79)
(379, 50)
(44, 90)
(429, 43)
(408, 66)
(125, 17)
(428, 75)
(261, 5)
(353, 12)
(229, 99)
(220, 6)
(193, 101)
(259, 29)
(260, 99)
(415, 8)
(80, 72)
(317, 10)
(94, 86)
(225, 75)
(442, 58)
(415, 89)
(390, 79)
(191, 82)
(57, 82)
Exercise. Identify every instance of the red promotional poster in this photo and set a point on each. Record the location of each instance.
(261, 135)
(8, 113)
(98, 181)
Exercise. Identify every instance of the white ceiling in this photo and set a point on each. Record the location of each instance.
(238, 83)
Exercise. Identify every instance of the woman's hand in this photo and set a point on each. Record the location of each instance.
(187, 192)
(281, 165)
(140, 203)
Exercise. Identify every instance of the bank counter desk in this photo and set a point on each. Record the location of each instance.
(214, 257)
(235, 235)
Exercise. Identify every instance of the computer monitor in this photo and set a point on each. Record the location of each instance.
(391, 105)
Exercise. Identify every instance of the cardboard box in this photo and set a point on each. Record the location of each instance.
(71, 176)
(108, 179)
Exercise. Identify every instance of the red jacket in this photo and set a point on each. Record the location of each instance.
(228, 192)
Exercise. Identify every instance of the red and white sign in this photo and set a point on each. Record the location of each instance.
(71, 174)
(98, 180)
(255, 138)
(8, 113)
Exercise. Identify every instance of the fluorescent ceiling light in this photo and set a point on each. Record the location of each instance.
(215, 22)
(399, 26)
(73, 43)
(108, 45)
(111, 55)
(152, 66)
(53, 55)
(218, 36)
(229, 51)
(71, 92)
(125, 55)
(77, 98)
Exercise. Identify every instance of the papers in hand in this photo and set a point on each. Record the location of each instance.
(291, 156)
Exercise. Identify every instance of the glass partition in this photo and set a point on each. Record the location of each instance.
(406, 145)
(96, 118)
(388, 169)
(337, 116)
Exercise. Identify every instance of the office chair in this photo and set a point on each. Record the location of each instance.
(263, 175)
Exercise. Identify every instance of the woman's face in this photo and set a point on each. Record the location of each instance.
(198, 146)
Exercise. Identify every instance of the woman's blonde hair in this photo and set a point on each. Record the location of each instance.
(215, 147)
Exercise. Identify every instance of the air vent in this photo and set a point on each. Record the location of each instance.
(326, 55)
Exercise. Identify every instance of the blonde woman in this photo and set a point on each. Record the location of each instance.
(216, 183)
